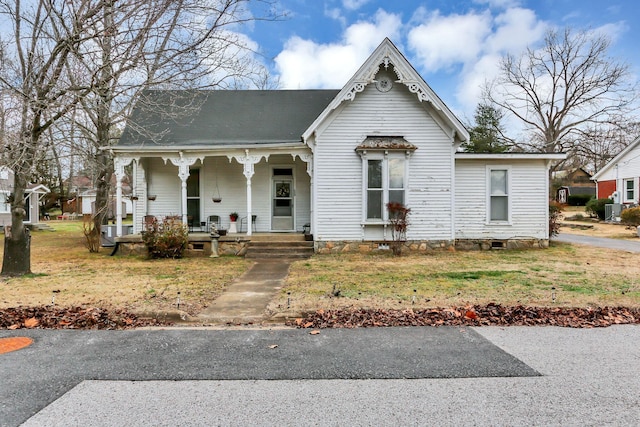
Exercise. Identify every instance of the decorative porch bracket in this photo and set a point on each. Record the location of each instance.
(308, 159)
(248, 161)
(183, 163)
(119, 163)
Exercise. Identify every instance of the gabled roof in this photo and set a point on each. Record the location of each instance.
(384, 55)
(222, 117)
(616, 159)
(37, 188)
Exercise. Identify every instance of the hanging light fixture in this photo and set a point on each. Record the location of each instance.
(216, 196)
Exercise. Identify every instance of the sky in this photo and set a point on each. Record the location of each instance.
(454, 45)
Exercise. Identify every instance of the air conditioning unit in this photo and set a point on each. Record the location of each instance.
(612, 211)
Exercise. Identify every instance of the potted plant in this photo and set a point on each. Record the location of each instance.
(233, 216)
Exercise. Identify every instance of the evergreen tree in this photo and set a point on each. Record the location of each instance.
(486, 135)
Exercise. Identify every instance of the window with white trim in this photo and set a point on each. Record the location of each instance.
(499, 195)
(5, 206)
(629, 190)
(386, 177)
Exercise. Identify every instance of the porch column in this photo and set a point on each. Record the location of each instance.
(119, 163)
(308, 159)
(183, 164)
(249, 161)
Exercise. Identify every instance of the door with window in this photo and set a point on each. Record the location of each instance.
(282, 205)
(193, 198)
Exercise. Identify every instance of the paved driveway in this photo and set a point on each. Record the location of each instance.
(602, 242)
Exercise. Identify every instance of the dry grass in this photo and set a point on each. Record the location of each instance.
(581, 276)
(60, 261)
(593, 227)
(576, 276)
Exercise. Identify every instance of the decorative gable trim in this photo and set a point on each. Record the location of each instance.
(397, 143)
(386, 55)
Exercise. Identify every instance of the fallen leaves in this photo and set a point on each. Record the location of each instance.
(488, 315)
(47, 317)
(31, 322)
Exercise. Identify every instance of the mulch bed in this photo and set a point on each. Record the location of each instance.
(488, 315)
(48, 317)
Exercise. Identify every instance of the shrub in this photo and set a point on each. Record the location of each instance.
(630, 217)
(579, 199)
(398, 217)
(166, 239)
(555, 215)
(595, 207)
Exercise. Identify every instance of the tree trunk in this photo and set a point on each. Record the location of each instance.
(17, 239)
(17, 253)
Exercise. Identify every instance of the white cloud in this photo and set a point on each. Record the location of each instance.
(515, 29)
(446, 40)
(304, 64)
(499, 4)
(613, 31)
(469, 45)
(336, 14)
(354, 4)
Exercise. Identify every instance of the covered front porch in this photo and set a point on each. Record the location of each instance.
(268, 189)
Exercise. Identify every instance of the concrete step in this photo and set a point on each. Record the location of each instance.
(292, 249)
(42, 227)
(280, 244)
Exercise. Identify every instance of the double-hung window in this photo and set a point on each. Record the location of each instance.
(629, 190)
(499, 195)
(386, 176)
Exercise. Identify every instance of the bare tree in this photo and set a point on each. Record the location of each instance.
(100, 54)
(44, 35)
(562, 89)
(599, 144)
(158, 43)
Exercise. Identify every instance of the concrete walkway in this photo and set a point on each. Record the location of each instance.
(246, 299)
(601, 242)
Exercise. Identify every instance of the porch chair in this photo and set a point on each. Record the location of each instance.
(213, 220)
(243, 222)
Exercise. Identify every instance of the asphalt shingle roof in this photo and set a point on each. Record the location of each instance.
(223, 118)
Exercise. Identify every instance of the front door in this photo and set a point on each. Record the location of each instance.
(193, 198)
(283, 200)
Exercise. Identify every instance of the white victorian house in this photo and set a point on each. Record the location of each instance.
(332, 160)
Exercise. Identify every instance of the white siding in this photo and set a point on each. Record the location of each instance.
(163, 182)
(338, 174)
(528, 201)
(627, 167)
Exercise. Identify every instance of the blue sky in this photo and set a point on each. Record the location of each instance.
(455, 45)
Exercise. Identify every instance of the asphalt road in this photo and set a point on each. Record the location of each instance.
(380, 376)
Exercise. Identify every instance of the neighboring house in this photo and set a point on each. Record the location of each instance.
(33, 194)
(618, 179)
(333, 159)
(575, 182)
(88, 204)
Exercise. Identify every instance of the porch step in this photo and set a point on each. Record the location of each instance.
(279, 249)
(41, 226)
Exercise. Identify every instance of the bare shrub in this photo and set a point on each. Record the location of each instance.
(166, 239)
(398, 217)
